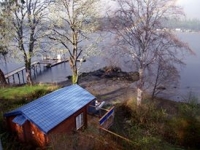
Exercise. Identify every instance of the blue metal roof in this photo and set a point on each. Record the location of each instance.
(20, 119)
(48, 111)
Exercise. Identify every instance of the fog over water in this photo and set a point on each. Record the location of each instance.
(191, 8)
(190, 73)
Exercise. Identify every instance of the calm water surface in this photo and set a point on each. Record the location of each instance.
(190, 74)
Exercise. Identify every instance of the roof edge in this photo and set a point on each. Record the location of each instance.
(12, 113)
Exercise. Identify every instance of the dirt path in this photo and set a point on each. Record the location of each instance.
(108, 90)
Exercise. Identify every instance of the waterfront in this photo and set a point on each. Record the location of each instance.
(189, 81)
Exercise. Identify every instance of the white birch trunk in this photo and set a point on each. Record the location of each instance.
(140, 87)
(28, 77)
(139, 96)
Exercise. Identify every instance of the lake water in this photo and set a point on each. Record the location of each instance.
(190, 74)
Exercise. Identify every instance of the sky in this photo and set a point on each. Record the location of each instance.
(191, 8)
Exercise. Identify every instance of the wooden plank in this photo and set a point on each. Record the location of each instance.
(116, 135)
(59, 62)
(45, 62)
(18, 77)
(18, 70)
(8, 80)
(23, 76)
(13, 75)
(14, 72)
(106, 116)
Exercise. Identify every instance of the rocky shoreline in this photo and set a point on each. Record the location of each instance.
(114, 73)
(109, 84)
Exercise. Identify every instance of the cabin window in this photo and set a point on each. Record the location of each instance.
(79, 121)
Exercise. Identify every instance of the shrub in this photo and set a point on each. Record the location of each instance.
(148, 116)
(184, 128)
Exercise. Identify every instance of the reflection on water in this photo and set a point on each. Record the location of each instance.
(54, 74)
(190, 74)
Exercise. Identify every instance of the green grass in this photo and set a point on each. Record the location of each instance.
(13, 97)
(24, 91)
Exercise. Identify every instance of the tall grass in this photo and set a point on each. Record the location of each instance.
(152, 127)
(184, 127)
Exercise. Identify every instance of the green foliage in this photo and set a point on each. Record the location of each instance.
(148, 113)
(184, 128)
(155, 143)
(6, 28)
(149, 126)
(143, 125)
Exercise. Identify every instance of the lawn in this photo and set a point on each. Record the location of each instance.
(25, 92)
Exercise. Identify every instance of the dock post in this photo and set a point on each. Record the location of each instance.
(8, 80)
(18, 77)
(13, 78)
(34, 71)
(39, 66)
(23, 76)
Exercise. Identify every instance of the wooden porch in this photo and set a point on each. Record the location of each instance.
(102, 119)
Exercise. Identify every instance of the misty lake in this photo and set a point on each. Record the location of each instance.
(190, 73)
(189, 81)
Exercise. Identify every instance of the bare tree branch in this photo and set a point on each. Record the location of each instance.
(136, 25)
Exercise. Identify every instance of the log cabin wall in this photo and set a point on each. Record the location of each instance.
(28, 132)
(69, 125)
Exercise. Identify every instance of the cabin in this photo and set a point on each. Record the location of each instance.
(62, 111)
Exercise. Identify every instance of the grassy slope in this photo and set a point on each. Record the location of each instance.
(21, 92)
(170, 126)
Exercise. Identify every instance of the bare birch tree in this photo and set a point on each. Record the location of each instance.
(5, 34)
(3, 46)
(164, 77)
(28, 18)
(73, 21)
(140, 34)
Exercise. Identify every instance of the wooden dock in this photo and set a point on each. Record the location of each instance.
(48, 63)
(17, 72)
(52, 62)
